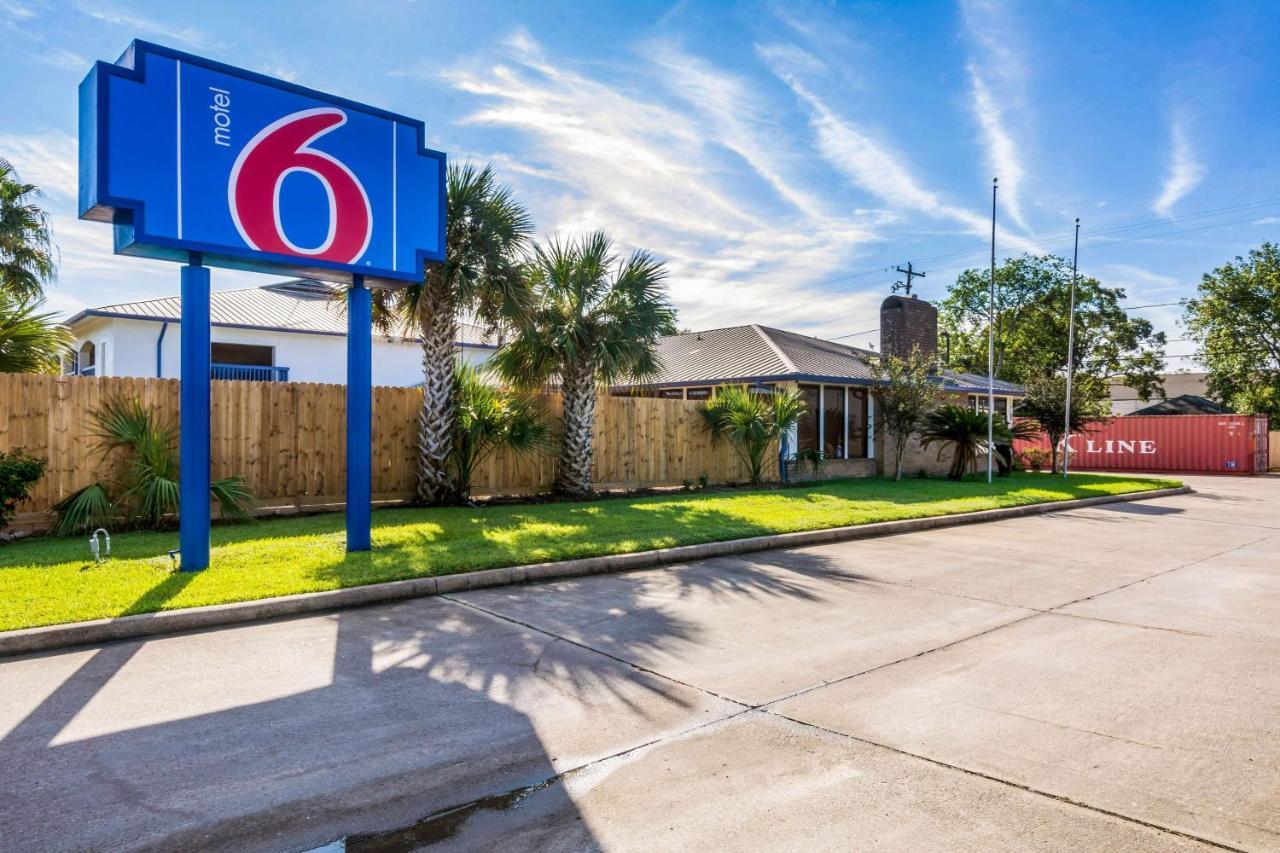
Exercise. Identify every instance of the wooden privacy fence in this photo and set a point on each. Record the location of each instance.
(288, 439)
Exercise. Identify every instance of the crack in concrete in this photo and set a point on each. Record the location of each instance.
(1011, 784)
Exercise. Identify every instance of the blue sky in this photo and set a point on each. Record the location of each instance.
(779, 155)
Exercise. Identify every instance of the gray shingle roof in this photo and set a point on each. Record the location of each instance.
(1185, 404)
(751, 353)
(292, 306)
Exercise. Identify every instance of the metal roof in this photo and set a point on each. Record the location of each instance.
(1185, 404)
(300, 305)
(761, 353)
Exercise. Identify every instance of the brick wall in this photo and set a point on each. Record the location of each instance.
(907, 322)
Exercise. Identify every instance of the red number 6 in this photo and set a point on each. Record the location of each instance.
(278, 150)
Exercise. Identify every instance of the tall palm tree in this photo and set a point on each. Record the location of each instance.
(595, 320)
(26, 252)
(30, 342)
(486, 233)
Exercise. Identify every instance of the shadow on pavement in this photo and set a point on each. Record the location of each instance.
(229, 740)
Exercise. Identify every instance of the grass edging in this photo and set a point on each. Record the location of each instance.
(45, 638)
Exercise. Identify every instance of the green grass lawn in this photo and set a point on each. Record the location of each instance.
(47, 581)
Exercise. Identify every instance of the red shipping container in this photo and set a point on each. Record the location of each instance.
(1215, 444)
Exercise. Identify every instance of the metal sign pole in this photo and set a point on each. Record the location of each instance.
(991, 339)
(1071, 354)
(193, 417)
(359, 414)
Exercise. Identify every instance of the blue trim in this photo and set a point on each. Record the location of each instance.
(359, 415)
(129, 215)
(193, 421)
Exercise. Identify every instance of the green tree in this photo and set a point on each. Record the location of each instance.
(30, 342)
(752, 422)
(489, 418)
(19, 471)
(1032, 307)
(1046, 405)
(1235, 317)
(26, 251)
(486, 234)
(907, 389)
(960, 428)
(595, 320)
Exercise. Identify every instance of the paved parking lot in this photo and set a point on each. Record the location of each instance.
(1101, 679)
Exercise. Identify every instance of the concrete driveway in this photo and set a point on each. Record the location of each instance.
(1102, 679)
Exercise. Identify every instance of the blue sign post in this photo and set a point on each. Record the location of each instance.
(206, 164)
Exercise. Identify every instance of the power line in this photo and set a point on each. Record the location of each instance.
(1112, 230)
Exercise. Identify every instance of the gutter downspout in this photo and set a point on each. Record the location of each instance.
(159, 351)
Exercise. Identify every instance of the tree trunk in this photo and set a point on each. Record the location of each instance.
(574, 475)
(899, 449)
(436, 483)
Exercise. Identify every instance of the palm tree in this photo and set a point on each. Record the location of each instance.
(30, 342)
(752, 422)
(959, 427)
(489, 418)
(486, 233)
(595, 320)
(26, 252)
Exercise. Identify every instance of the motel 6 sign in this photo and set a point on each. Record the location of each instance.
(182, 154)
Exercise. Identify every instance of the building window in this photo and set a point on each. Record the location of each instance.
(671, 393)
(858, 423)
(833, 421)
(698, 394)
(246, 354)
(978, 402)
(86, 359)
(807, 429)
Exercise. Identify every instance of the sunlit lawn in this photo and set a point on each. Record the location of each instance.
(47, 581)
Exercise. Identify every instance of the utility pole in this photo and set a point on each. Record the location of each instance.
(991, 341)
(1071, 354)
(910, 274)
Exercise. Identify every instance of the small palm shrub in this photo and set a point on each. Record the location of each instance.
(147, 493)
(18, 473)
(959, 428)
(752, 422)
(488, 418)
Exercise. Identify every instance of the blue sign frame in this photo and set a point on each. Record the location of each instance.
(173, 147)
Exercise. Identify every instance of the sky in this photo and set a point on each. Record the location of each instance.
(782, 158)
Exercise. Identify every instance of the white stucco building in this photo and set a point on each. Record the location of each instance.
(291, 331)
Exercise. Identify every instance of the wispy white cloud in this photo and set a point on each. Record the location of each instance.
(62, 58)
(661, 154)
(1184, 171)
(997, 74)
(120, 16)
(1267, 220)
(47, 160)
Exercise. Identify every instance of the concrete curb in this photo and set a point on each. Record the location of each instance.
(28, 640)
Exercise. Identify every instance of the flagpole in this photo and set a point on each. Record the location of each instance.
(991, 339)
(1071, 354)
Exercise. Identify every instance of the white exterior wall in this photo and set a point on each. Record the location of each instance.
(130, 347)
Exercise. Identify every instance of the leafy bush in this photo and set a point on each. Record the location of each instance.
(488, 418)
(148, 492)
(18, 473)
(957, 427)
(751, 422)
(1036, 458)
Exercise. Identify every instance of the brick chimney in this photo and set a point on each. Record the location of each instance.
(907, 322)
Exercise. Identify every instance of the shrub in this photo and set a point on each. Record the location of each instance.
(751, 422)
(18, 473)
(147, 495)
(1036, 458)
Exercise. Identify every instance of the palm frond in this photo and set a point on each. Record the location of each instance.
(83, 511)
